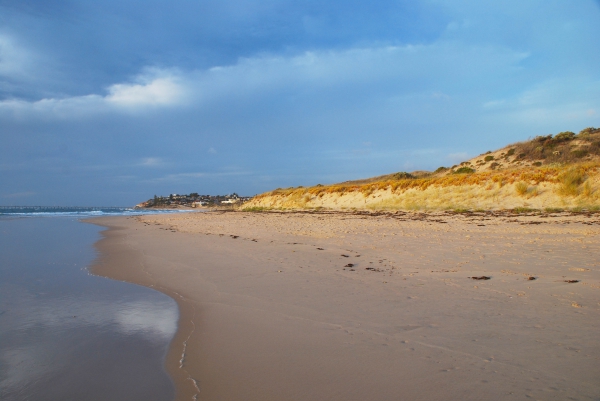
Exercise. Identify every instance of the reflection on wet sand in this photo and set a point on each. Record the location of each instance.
(69, 335)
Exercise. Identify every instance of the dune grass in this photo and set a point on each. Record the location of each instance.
(570, 182)
(555, 186)
(552, 174)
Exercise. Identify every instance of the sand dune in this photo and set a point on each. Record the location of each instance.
(571, 187)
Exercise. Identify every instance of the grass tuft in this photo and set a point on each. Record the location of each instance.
(521, 188)
(570, 182)
(588, 191)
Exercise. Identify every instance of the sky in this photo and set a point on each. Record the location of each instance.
(108, 103)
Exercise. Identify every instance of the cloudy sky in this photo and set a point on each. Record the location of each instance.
(110, 102)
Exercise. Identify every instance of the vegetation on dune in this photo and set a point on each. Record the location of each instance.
(564, 147)
(464, 170)
(570, 181)
(521, 188)
(552, 172)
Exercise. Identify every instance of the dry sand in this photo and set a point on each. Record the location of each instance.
(271, 308)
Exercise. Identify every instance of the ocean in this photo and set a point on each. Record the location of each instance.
(66, 334)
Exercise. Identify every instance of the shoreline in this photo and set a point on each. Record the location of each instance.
(269, 308)
(118, 262)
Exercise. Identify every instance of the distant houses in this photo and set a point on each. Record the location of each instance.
(234, 199)
(193, 200)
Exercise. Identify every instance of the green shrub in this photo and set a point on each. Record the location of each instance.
(537, 164)
(402, 176)
(440, 169)
(588, 131)
(510, 152)
(564, 136)
(464, 170)
(489, 158)
(541, 138)
(579, 153)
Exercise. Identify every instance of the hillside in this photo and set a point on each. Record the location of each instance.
(548, 172)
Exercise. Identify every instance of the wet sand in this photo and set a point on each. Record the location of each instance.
(332, 306)
(67, 335)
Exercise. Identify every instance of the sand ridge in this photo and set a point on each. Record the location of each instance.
(374, 306)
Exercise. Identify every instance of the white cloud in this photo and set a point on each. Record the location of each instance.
(160, 91)
(407, 68)
(440, 96)
(14, 60)
(68, 108)
(400, 69)
(440, 79)
(155, 88)
(151, 162)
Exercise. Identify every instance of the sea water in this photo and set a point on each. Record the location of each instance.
(68, 335)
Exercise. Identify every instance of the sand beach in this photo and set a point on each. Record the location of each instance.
(371, 306)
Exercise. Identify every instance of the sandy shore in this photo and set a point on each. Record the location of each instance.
(298, 306)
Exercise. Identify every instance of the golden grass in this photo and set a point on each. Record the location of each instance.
(588, 191)
(525, 190)
(570, 181)
(533, 175)
(521, 188)
(553, 186)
